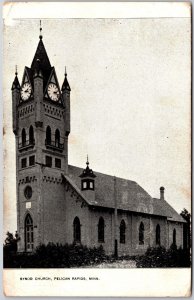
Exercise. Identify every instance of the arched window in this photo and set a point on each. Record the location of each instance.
(76, 230)
(158, 235)
(122, 232)
(174, 236)
(31, 135)
(57, 137)
(29, 235)
(141, 234)
(23, 137)
(48, 135)
(101, 230)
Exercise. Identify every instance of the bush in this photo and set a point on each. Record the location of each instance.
(159, 257)
(56, 256)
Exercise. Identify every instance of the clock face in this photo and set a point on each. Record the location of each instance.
(26, 91)
(53, 91)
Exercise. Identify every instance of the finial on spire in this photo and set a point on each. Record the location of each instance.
(16, 70)
(87, 163)
(40, 36)
(65, 72)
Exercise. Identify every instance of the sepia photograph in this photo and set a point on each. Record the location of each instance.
(97, 144)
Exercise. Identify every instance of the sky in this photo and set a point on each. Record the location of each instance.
(130, 98)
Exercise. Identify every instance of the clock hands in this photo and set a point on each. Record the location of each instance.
(26, 91)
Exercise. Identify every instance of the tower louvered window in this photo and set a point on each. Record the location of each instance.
(31, 135)
(23, 137)
(57, 138)
(48, 135)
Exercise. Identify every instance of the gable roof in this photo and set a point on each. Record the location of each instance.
(170, 211)
(129, 194)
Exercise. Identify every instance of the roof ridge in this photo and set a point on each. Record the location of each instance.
(105, 174)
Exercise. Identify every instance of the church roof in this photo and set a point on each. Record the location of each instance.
(16, 84)
(87, 172)
(42, 56)
(41, 61)
(65, 85)
(129, 194)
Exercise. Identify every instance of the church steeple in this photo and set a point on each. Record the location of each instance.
(41, 61)
(41, 124)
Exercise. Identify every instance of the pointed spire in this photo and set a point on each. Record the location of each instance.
(87, 172)
(40, 36)
(42, 58)
(87, 162)
(65, 85)
(16, 84)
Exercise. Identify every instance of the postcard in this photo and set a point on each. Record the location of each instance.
(97, 149)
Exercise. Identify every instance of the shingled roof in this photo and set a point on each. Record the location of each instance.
(130, 195)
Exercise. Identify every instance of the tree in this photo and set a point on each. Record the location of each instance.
(186, 228)
(11, 242)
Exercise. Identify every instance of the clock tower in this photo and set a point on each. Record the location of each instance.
(41, 124)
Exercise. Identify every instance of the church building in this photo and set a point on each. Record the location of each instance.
(61, 203)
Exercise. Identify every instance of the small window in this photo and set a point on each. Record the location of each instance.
(24, 162)
(31, 135)
(23, 137)
(48, 135)
(49, 161)
(32, 160)
(57, 163)
(91, 185)
(84, 185)
(57, 138)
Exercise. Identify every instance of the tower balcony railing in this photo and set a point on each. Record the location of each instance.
(25, 145)
(55, 145)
